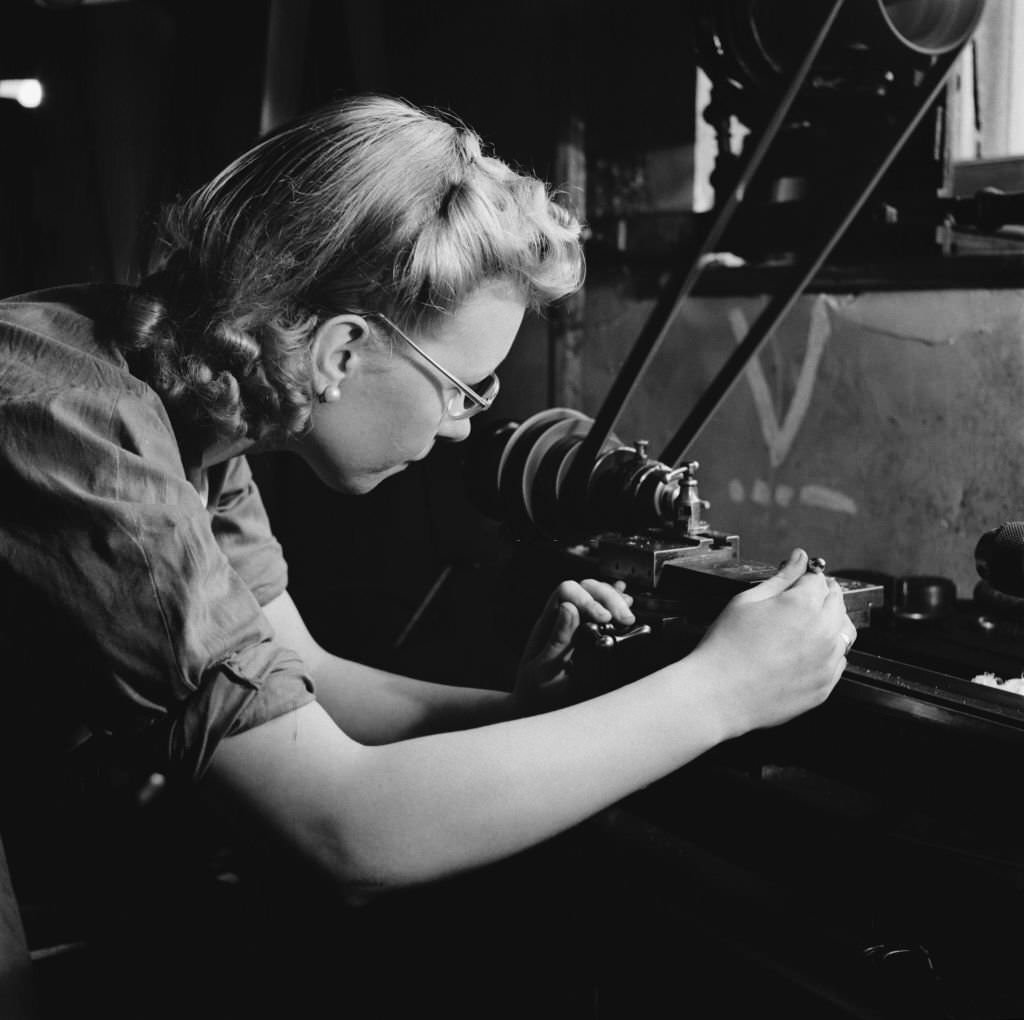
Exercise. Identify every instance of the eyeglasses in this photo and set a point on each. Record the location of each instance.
(467, 401)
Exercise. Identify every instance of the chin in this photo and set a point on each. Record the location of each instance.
(362, 484)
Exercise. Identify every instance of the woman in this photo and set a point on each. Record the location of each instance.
(337, 292)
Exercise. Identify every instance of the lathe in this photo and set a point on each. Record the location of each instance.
(867, 854)
(867, 858)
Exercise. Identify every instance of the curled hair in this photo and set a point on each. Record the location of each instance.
(369, 204)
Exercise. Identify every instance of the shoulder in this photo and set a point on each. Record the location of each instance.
(61, 364)
(63, 336)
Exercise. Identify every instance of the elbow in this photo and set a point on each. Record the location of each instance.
(365, 886)
(363, 875)
(362, 892)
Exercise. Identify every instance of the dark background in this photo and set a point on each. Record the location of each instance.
(145, 99)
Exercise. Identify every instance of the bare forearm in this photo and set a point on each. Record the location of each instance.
(425, 808)
(377, 707)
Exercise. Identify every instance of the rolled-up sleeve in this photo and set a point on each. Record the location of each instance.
(103, 527)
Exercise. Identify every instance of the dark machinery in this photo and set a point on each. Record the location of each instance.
(860, 86)
(867, 856)
(567, 480)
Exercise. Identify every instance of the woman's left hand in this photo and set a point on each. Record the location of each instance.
(542, 681)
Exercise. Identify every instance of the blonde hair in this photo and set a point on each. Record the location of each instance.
(369, 204)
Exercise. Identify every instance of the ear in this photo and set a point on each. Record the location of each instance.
(334, 348)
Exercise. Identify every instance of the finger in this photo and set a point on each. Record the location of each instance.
(570, 591)
(834, 598)
(843, 642)
(563, 628)
(578, 594)
(848, 635)
(835, 603)
(564, 622)
(789, 573)
(573, 593)
(609, 597)
(819, 589)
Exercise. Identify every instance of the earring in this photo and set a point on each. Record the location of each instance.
(330, 394)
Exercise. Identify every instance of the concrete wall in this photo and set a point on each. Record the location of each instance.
(883, 431)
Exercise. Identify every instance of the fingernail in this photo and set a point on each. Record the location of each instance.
(793, 557)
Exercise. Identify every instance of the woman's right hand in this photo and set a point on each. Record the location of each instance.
(777, 649)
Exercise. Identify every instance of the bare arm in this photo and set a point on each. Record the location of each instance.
(374, 706)
(407, 812)
(377, 707)
(423, 808)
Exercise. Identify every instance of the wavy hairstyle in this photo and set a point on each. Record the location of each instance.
(368, 204)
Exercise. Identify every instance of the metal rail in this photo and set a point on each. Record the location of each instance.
(681, 284)
(783, 301)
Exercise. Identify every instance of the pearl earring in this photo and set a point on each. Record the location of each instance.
(330, 394)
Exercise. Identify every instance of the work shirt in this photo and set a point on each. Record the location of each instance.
(131, 580)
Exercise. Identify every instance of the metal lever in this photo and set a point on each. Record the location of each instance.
(609, 635)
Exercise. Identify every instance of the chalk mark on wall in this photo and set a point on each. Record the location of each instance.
(824, 498)
(819, 496)
(779, 438)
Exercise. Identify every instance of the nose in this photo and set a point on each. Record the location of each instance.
(454, 430)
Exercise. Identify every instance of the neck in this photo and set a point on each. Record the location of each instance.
(225, 449)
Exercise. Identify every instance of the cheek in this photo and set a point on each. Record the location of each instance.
(379, 426)
(407, 411)
(401, 418)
